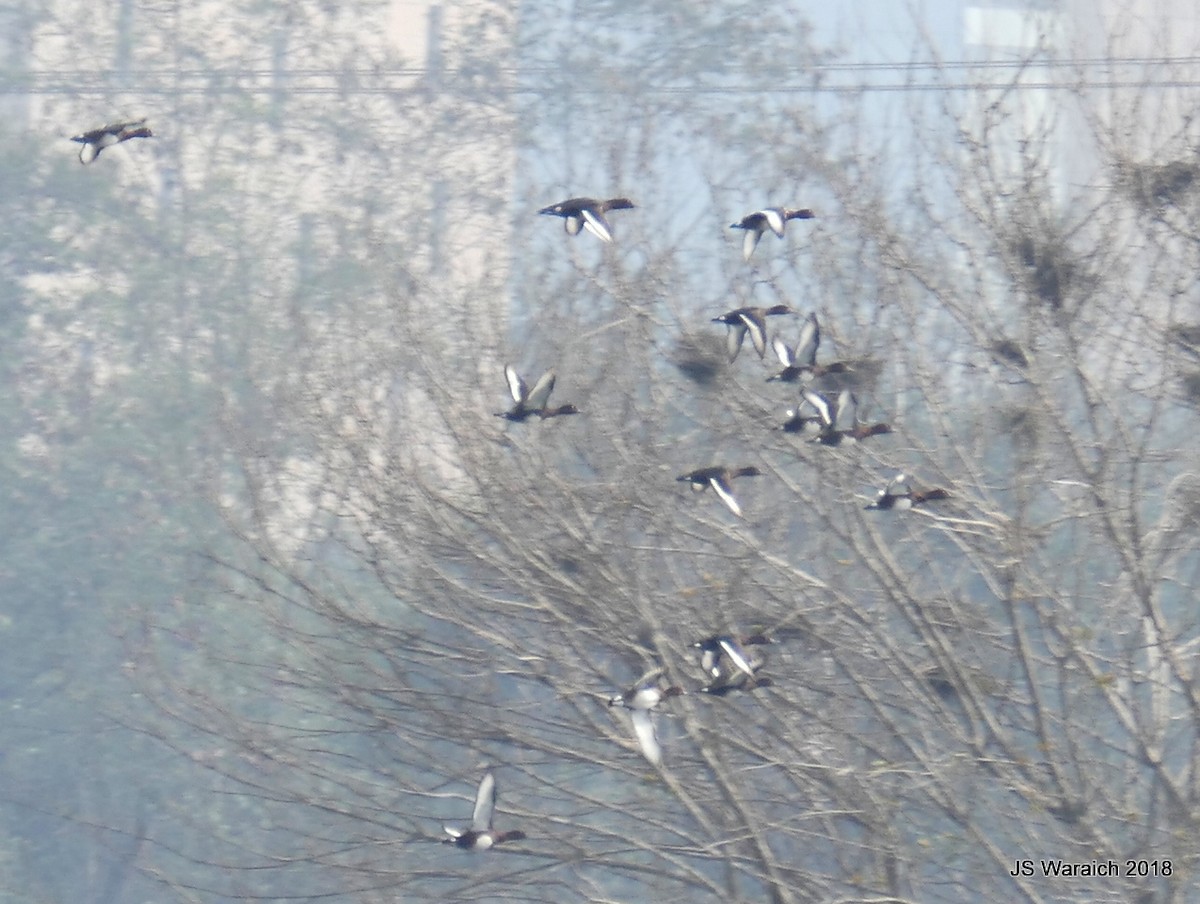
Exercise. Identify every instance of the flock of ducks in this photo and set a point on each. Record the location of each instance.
(729, 662)
(827, 421)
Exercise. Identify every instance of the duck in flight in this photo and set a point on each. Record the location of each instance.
(718, 649)
(106, 136)
(760, 221)
(481, 835)
(741, 672)
(587, 213)
(748, 320)
(803, 358)
(840, 422)
(645, 694)
(528, 401)
(900, 495)
(719, 478)
(799, 421)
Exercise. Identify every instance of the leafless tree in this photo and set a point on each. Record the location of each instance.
(409, 589)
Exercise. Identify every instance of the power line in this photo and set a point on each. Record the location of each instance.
(1048, 62)
(1036, 62)
(515, 80)
(157, 89)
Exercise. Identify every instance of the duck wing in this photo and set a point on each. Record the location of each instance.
(643, 728)
(723, 490)
(90, 151)
(750, 241)
(485, 803)
(733, 339)
(782, 351)
(756, 325)
(737, 655)
(773, 217)
(810, 339)
(596, 224)
(847, 411)
(540, 394)
(820, 404)
(516, 386)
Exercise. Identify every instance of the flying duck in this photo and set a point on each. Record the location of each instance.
(803, 358)
(718, 648)
(748, 320)
(587, 213)
(528, 401)
(840, 423)
(800, 422)
(742, 676)
(106, 136)
(760, 221)
(481, 836)
(899, 495)
(645, 694)
(718, 477)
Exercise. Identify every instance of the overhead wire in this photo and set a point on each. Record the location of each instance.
(1096, 73)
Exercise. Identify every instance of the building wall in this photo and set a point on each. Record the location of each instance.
(1156, 79)
(331, 139)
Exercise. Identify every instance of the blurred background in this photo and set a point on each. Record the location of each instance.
(276, 586)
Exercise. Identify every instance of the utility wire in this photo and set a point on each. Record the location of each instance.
(157, 89)
(1034, 62)
(521, 80)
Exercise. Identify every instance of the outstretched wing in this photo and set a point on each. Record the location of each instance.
(733, 340)
(774, 218)
(516, 386)
(722, 489)
(750, 241)
(540, 394)
(782, 352)
(820, 404)
(643, 727)
(757, 328)
(847, 411)
(595, 223)
(485, 803)
(737, 655)
(810, 339)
